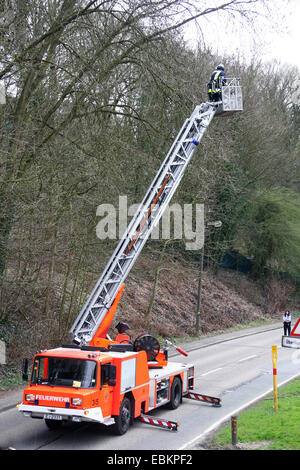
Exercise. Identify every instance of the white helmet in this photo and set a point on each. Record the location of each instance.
(220, 66)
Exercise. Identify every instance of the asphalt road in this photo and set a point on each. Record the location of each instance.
(235, 366)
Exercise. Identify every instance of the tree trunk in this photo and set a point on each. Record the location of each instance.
(158, 267)
(7, 210)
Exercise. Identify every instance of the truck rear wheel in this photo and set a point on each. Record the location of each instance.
(176, 392)
(122, 421)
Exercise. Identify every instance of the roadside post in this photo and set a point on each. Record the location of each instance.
(274, 359)
(234, 430)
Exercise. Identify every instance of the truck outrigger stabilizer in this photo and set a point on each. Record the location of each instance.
(206, 398)
(159, 422)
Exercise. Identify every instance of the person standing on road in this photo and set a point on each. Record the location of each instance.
(287, 319)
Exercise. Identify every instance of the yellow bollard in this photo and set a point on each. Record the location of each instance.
(274, 359)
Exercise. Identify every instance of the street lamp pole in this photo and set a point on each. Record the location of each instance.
(199, 291)
(215, 224)
(2, 93)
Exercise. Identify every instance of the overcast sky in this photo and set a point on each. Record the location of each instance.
(285, 46)
(278, 39)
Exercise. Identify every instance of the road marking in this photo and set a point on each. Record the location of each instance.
(211, 371)
(215, 425)
(247, 358)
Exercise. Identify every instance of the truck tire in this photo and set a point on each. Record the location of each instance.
(176, 392)
(122, 421)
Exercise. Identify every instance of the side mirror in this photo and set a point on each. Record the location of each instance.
(25, 370)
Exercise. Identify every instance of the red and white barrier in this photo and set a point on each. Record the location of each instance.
(206, 398)
(162, 423)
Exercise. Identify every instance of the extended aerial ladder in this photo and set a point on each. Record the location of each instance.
(96, 315)
(102, 380)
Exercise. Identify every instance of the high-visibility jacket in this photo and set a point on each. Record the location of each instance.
(121, 338)
(217, 79)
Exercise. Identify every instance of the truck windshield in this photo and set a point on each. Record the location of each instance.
(64, 372)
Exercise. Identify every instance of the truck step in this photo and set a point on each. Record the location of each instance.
(200, 397)
(159, 422)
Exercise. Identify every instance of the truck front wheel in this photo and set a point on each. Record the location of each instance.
(122, 421)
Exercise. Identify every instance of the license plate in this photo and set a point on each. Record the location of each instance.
(56, 417)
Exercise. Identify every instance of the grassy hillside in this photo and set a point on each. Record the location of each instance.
(229, 300)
